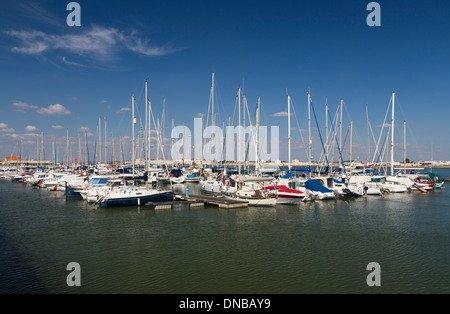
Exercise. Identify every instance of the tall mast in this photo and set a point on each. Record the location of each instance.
(133, 121)
(184, 133)
(239, 131)
(158, 126)
(326, 127)
(340, 130)
(100, 139)
(80, 158)
(351, 146)
(149, 129)
(67, 148)
(106, 159)
(309, 129)
(392, 135)
(54, 152)
(368, 135)
(42, 148)
(404, 144)
(212, 115)
(87, 148)
(257, 166)
(212, 100)
(146, 127)
(244, 106)
(162, 127)
(289, 131)
(172, 137)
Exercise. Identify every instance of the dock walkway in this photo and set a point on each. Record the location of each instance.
(200, 200)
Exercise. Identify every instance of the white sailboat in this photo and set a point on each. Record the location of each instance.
(132, 196)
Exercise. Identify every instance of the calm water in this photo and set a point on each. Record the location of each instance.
(317, 247)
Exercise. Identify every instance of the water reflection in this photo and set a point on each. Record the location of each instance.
(312, 247)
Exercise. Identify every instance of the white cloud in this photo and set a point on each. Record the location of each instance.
(30, 135)
(54, 109)
(123, 110)
(31, 128)
(103, 101)
(57, 127)
(23, 105)
(8, 130)
(83, 129)
(9, 135)
(64, 59)
(281, 114)
(96, 42)
(386, 125)
(3, 125)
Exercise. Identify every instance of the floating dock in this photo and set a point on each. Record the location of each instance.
(220, 201)
(199, 201)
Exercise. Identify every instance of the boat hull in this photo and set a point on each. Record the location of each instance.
(137, 200)
(255, 201)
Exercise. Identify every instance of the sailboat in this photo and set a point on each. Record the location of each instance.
(253, 195)
(285, 195)
(130, 195)
(210, 184)
(176, 176)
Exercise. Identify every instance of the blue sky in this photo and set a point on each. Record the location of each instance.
(56, 78)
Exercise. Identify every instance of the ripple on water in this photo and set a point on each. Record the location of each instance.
(315, 247)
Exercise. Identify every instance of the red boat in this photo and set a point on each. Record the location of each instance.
(285, 194)
(425, 183)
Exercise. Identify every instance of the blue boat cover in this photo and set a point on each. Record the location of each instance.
(337, 181)
(316, 186)
(302, 169)
(287, 175)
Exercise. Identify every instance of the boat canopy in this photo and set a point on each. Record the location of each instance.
(176, 173)
(294, 172)
(435, 177)
(316, 186)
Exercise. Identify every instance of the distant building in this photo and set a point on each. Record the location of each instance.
(12, 158)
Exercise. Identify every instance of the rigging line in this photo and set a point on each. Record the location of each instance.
(329, 142)
(320, 135)
(343, 145)
(373, 135)
(332, 131)
(381, 153)
(235, 108)
(382, 129)
(410, 132)
(398, 105)
(162, 150)
(335, 137)
(207, 115)
(247, 146)
(218, 101)
(251, 127)
(299, 129)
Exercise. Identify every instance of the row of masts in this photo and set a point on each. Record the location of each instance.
(241, 120)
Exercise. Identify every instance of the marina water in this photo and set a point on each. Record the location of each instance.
(315, 247)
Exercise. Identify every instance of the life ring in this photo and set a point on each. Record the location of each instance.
(227, 183)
